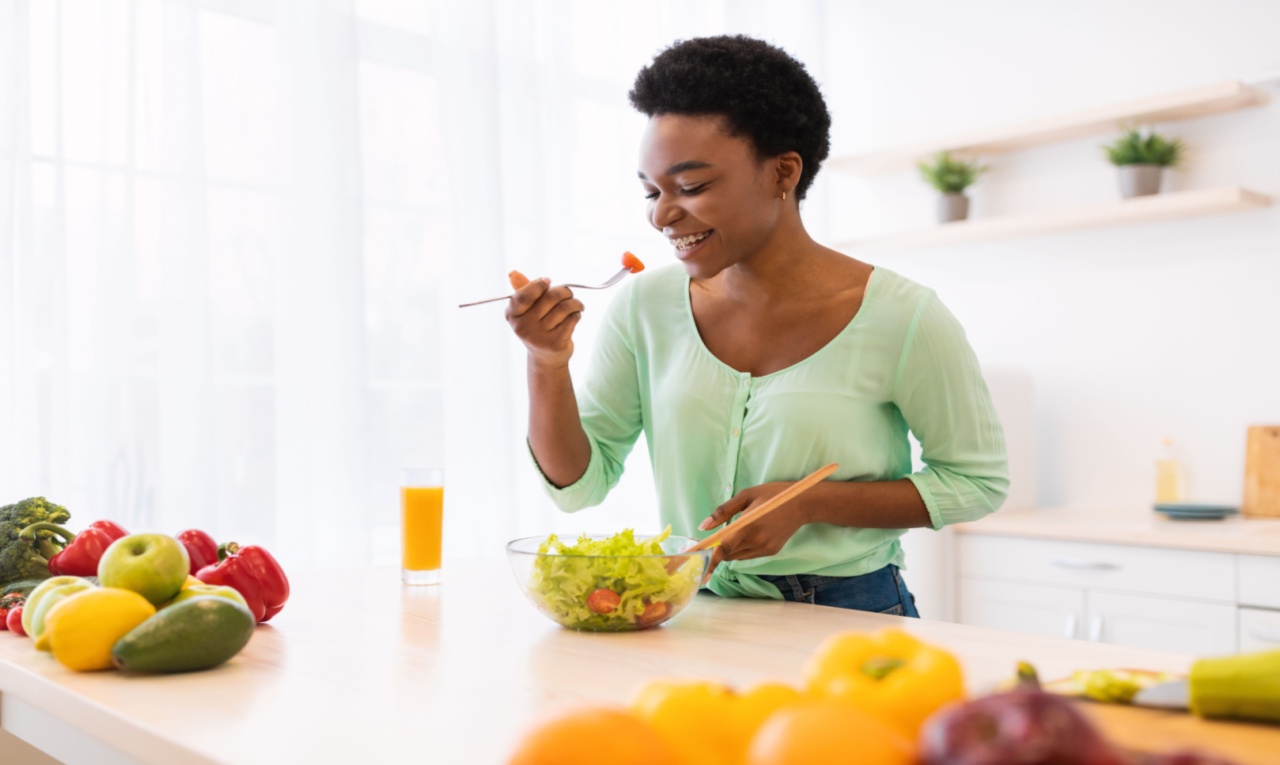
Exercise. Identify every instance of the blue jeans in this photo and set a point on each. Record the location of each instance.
(881, 591)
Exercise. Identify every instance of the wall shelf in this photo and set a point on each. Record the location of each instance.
(1158, 207)
(1196, 102)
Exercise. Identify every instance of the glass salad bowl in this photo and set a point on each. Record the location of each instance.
(608, 583)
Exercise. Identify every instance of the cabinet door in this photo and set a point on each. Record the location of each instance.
(1034, 608)
(1259, 629)
(1162, 624)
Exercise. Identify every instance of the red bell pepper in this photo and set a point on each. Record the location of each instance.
(254, 573)
(201, 548)
(82, 552)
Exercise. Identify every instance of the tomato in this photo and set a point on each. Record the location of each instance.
(14, 621)
(653, 613)
(603, 601)
(7, 604)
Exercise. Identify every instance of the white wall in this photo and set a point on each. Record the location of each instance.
(1128, 334)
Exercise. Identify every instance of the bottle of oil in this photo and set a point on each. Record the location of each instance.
(1169, 487)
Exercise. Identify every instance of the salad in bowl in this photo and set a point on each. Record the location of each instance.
(603, 583)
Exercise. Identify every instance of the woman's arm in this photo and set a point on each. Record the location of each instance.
(544, 318)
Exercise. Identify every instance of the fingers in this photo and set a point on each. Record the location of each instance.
(526, 297)
(517, 280)
(724, 512)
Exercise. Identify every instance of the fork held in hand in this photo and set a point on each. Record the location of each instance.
(612, 281)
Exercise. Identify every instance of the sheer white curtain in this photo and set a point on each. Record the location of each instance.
(233, 235)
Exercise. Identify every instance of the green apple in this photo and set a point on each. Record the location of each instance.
(153, 565)
(217, 590)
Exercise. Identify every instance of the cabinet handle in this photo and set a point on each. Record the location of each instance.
(1259, 632)
(1084, 565)
(1095, 629)
(1069, 629)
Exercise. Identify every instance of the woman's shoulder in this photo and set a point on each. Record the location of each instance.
(893, 293)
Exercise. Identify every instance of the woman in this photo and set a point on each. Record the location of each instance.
(763, 355)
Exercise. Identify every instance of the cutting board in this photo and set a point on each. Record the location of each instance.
(1262, 472)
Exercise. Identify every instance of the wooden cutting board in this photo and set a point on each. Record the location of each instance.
(1262, 472)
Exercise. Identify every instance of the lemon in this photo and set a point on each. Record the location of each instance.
(82, 629)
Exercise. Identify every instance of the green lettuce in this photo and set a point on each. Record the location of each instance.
(565, 575)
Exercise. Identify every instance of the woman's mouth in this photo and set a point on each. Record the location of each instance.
(686, 244)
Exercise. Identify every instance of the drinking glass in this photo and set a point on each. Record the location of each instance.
(421, 525)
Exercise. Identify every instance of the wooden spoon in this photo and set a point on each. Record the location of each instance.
(769, 506)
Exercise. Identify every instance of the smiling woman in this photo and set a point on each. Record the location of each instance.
(762, 355)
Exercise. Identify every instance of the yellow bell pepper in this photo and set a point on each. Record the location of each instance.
(888, 673)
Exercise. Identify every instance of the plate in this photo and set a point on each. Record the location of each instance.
(1188, 512)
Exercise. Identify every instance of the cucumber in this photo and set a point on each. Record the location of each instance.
(195, 634)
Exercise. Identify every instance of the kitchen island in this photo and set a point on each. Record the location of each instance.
(359, 668)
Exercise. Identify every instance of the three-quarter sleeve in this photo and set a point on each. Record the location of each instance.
(941, 394)
(609, 406)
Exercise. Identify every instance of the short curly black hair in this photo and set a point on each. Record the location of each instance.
(763, 94)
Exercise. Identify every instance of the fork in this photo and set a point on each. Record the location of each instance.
(611, 281)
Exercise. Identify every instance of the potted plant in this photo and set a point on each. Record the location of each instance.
(951, 177)
(1141, 160)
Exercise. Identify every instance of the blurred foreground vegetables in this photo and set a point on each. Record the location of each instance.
(878, 698)
(28, 558)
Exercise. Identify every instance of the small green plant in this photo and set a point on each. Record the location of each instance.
(948, 174)
(1133, 148)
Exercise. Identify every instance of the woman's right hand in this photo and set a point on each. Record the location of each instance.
(543, 317)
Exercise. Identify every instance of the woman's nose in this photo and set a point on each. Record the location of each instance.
(664, 212)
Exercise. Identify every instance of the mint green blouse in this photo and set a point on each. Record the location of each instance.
(901, 364)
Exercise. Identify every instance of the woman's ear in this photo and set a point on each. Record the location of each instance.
(787, 173)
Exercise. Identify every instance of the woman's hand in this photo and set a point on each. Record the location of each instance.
(543, 317)
(763, 537)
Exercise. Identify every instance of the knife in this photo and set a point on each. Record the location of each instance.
(1244, 687)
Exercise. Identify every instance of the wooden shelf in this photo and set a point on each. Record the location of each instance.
(1197, 102)
(1158, 207)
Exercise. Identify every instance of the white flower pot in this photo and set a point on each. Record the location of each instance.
(1140, 180)
(952, 207)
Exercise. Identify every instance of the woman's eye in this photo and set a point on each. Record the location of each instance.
(692, 190)
(651, 195)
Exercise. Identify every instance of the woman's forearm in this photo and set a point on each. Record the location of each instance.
(556, 436)
(867, 504)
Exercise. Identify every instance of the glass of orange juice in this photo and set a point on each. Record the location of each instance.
(421, 524)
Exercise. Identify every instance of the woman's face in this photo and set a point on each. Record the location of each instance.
(708, 192)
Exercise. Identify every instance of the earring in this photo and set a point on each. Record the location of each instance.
(784, 196)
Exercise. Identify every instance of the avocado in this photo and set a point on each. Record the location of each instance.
(199, 633)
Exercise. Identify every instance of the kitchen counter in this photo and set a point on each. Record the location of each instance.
(1130, 526)
(358, 668)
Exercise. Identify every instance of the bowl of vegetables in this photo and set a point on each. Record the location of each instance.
(608, 583)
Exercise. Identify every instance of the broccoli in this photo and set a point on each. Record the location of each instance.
(28, 558)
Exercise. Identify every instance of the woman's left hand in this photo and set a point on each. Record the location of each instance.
(762, 538)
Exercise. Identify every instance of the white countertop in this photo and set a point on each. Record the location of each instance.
(358, 668)
(1133, 526)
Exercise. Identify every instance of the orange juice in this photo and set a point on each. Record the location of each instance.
(421, 519)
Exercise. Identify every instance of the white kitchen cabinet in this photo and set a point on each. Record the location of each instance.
(1033, 608)
(1260, 581)
(1164, 599)
(1160, 623)
(1166, 624)
(1259, 629)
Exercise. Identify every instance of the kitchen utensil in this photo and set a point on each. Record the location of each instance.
(1241, 687)
(562, 587)
(612, 280)
(1195, 512)
(1262, 472)
(769, 506)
